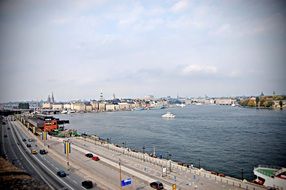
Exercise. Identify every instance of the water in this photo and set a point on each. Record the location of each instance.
(221, 138)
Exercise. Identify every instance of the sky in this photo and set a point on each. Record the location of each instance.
(79, 48)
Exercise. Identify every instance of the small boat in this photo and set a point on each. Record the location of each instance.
(64, 112)
(168, 115)
(71, 111)
(233, 105)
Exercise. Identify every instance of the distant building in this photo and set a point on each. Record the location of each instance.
(57, 106)
(47, 105)
(124, 106)
(94, 105)
(224, 101)
(112, 107)
(78, 106)
(101, 106)
(88, 107)
(67, 106)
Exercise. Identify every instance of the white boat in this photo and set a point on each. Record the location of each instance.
(198, 104)
(64, 112)
(233, 105)
(270, 177)
(71, 111)
(180, 105)
(168, 115)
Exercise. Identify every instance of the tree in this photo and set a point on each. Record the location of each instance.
(23, 106)
(257, 101)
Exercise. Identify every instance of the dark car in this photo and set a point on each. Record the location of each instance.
(87, 184)
(95, 158)
(28, 145)
(157, 185)
(61, 173)
(5, 135)
(24, 140)
(43, 151)
(8, 128)
(89, 155)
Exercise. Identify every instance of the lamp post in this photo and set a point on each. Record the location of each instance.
(143, 153)
(169, 158)
(120, 176)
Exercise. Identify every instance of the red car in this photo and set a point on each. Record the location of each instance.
(96, 158)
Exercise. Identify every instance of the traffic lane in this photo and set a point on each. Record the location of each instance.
(102, 171)
(96, 174)
(43, 171)
(102, 166)
(71, 178)
(129, 162)
(53, 165)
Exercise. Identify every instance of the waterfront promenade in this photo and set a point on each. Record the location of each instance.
(140, 167)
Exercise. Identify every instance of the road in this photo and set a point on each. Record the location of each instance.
(105, 176)
(41, 167)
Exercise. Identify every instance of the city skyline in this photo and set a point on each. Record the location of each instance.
(76, 49)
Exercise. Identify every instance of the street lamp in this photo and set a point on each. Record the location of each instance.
(120, 176)
(169, 158)
(143, 153)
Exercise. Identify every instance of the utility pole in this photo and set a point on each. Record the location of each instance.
(120, 177)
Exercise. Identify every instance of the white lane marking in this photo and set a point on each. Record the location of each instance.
(51, 172)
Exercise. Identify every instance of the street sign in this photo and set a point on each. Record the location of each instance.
(126, 182)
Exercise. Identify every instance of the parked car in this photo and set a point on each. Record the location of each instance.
(87, 184)
(24, 140)
(157, 185)
(34, 151)
(8, 128)
(5, 135)
(30, 140)
(89, 155)
(43, 151)
(61, 173)
(95, 158)
(29, 145)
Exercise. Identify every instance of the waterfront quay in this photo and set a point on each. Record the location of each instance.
(117, 163)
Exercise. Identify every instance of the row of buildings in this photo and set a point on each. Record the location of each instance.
(131, 104)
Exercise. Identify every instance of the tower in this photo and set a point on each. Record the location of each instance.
(49, 99)
(53, 99)
(101, 96)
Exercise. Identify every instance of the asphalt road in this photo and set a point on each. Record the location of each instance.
(38, 166)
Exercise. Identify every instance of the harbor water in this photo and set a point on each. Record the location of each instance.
(224, 139)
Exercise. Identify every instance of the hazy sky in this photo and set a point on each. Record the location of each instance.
(76, 48)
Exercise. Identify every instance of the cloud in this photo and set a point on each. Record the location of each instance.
(196, 69)
(180, 6)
